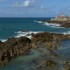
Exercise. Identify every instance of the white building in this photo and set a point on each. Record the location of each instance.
(61, 18)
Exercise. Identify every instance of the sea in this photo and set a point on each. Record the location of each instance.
(17, 27)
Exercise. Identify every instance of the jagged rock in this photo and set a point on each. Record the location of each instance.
(67, 65)
(17, 46)
(13, 47)
(48, 39)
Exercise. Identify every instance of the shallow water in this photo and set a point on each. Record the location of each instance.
(26, 62)
(64, 49)
(23, 62)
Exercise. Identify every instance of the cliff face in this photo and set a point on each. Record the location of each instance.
(17, 46)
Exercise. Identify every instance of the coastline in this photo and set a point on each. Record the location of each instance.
(28, 34)
(58, 23)
(25, 44)
(27, 48)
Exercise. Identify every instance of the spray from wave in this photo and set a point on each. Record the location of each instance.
(38, 21)
(29, 34)
(54, 25)
(26, 34)
(3, 40)
(65, 33)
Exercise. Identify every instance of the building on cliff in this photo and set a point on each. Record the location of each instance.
(61, 18)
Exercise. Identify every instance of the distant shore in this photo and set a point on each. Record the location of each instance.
(61, 23)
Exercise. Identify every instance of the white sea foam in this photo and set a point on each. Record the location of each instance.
(38, 21)
(29, 34)
(26, 34)
(52, 24)
(65, 33)
(3, 40)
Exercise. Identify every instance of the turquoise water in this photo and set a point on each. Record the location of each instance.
(10, 27)
(64, 49)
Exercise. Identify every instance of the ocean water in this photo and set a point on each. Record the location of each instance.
(10, 27)
(16, 27)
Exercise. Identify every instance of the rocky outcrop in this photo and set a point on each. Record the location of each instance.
(63, 21)
(17, 46)
(13, 47)
(48, 38)
(65, 24)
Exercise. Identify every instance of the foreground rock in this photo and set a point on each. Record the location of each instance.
(48, 44)
(13, 47)
(17, 46)
(48, 38)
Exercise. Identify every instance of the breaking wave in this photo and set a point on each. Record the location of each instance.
(53, 25)
(3, 40)
(38, 21)
(26, 34)
(68, 32)
(50, 24)
(29, 34)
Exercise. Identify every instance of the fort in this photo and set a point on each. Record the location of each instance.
(61, 18)
(63, 21)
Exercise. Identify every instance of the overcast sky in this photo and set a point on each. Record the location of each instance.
(34, 8)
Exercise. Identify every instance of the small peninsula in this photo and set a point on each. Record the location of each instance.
(63, 21)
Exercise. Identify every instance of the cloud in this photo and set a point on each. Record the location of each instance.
(26, 3)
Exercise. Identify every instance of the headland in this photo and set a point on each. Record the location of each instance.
(63, 21)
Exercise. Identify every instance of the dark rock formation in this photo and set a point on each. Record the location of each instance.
(48, 39)
(17, 46)
(67, 65)
(62, 23)
(13, 47)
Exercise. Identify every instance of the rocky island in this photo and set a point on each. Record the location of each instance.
(14, 47)
(63, 21)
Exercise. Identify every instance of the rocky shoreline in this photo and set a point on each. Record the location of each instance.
(14, 47)
(45, 42)
(61, 23)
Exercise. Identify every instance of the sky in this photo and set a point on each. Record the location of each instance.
(34, 8)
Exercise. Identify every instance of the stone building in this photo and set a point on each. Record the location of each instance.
(61, 18)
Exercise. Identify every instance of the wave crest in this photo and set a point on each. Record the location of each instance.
(26, 34)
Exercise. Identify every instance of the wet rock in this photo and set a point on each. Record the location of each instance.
(48, 39)
(14, 47)
(17, 46)
(67, 65)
